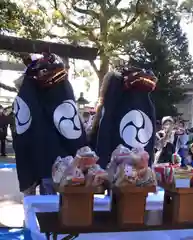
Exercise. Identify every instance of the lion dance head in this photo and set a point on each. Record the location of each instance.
(138, 79)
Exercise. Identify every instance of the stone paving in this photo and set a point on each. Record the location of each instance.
(11, 214)
(11, 211)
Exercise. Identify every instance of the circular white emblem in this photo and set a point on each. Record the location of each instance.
(136, 129)
(67, 121)
(23, 117)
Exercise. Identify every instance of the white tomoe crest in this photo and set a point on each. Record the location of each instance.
(67, 121)
(23, 117)
(136, 129)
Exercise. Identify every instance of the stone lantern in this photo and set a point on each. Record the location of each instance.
(81, 102)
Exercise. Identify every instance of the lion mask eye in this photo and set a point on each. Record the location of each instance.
(42, 72)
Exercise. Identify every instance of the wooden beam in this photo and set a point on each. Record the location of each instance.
(11, 66)
(14, 44)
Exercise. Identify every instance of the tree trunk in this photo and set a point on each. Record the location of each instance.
(104, 68)
(104, 59)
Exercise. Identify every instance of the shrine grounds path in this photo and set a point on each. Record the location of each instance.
(11, 211)
(10, 154)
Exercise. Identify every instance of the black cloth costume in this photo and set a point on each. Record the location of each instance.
(127, 115)
(47, 121)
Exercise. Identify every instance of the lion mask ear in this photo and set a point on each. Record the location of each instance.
(27, 59)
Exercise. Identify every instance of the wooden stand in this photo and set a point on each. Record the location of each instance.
(178, 205)
(102, 223)
(76, 202)
(128, 204)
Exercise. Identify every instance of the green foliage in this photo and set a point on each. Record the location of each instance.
(33, 24)
(85, 73)
(9, 17)
(21, 21)
(164, 49)
(186, 8)
(105, 24)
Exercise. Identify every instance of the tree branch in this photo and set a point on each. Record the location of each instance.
(67, 22)
(134, 18)
(117, 2)
(89, 33)
(51, 35)
(55, 5)
(83, 28)
(92, 63)
(85, 11)
(109, 3)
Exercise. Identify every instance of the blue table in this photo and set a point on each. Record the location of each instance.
(14, 234)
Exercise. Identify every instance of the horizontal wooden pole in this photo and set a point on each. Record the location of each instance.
(14, 44)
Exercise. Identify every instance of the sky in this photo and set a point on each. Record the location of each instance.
(188, 30)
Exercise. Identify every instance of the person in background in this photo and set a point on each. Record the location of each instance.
(165, 141)
(190, 155)
(8, 112)
(181, 142)
(87, 121)
(190, 135)
(86, 118)
(3, 131)
(158, 126)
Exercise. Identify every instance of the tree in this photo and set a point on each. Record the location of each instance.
(164, 49)
(186, 8)
(105, 24)
(22, 21)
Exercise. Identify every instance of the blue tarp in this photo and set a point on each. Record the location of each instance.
(14, 234)
(7, 165)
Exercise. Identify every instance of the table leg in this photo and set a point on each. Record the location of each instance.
(48, 235)
(70, 237)
(55, 236)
